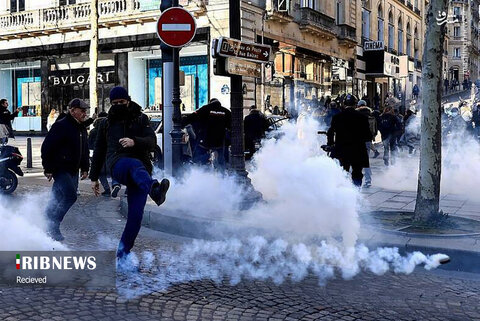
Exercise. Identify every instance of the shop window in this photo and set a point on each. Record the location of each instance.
(194, 93)
(17, 5)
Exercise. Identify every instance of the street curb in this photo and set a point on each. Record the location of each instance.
(463, 250)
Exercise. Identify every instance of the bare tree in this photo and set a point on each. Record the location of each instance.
(428, 192)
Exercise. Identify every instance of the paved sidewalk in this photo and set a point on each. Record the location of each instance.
(21, 143)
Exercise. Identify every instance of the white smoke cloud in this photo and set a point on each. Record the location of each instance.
(308, 223)
(257, 258)
(23, 224)
(460, 167)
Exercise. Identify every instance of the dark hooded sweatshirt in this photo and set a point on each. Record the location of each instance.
(131, 124)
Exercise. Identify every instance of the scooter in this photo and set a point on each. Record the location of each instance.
(10, 159)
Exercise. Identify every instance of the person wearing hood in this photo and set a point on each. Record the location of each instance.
(64, 152)
(124, 141)
(348, 134)
(255, 126)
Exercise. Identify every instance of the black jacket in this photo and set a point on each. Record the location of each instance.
(255, 125)
(349, 132)
(212, 123)
(111, 130)
(65, 147)
(6, 118)
(388, 125)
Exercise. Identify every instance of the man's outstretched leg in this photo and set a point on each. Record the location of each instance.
(132, 173)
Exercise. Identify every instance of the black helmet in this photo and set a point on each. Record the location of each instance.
(350, 100)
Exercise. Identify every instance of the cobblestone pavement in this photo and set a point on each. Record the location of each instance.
(437, 295)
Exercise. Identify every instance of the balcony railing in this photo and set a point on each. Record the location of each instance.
(111, 12)
(312, 18)
(346, 32)
(417, 11)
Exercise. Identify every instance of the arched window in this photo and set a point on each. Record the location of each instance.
(391, 31)
(366, 19)
(409, 40)
(415, 44)
(380, 23)
(400, 36)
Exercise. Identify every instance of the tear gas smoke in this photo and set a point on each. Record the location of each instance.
(309, 221)
(258, 259)
(23, 224)
(460, 165)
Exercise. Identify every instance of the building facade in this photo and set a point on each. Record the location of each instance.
(464, 43)
(390, 47)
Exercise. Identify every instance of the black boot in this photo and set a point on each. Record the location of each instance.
(158, 192)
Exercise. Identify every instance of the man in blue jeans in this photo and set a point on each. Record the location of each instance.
(64, 153)
(124, 141)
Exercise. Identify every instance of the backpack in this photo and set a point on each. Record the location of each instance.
(385, 124)
(372, 122)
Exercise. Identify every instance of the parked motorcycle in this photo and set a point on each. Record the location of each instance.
(10, 159)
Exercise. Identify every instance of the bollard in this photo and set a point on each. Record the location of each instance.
(29, 152)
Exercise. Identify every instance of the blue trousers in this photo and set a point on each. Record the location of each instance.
(64, 192)
(132, 173)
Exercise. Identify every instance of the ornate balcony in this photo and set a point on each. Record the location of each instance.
(315, 22)
(73, 18)
(347, 35)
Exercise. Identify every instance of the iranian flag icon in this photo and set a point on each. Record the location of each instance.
(18, 261)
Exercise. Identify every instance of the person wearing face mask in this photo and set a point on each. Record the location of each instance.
(124, 141)
(64, 152)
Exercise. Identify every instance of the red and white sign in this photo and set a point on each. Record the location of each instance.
(176, 27)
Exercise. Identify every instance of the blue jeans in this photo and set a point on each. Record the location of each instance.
(64, 191)
(132, 173)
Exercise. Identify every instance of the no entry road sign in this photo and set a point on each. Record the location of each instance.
(176, 27)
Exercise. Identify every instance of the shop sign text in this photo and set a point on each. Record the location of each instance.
(373, 45)
(70, 80)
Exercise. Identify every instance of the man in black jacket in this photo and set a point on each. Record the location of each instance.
(212, 124)
(64, 152)
(349, 132)
(255, 126)
(125, 140)
(6, 118)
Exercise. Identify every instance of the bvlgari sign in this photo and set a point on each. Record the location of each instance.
(373, 45)
(81, 79)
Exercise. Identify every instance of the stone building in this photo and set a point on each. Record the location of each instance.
(464, 42)
(389, 50)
